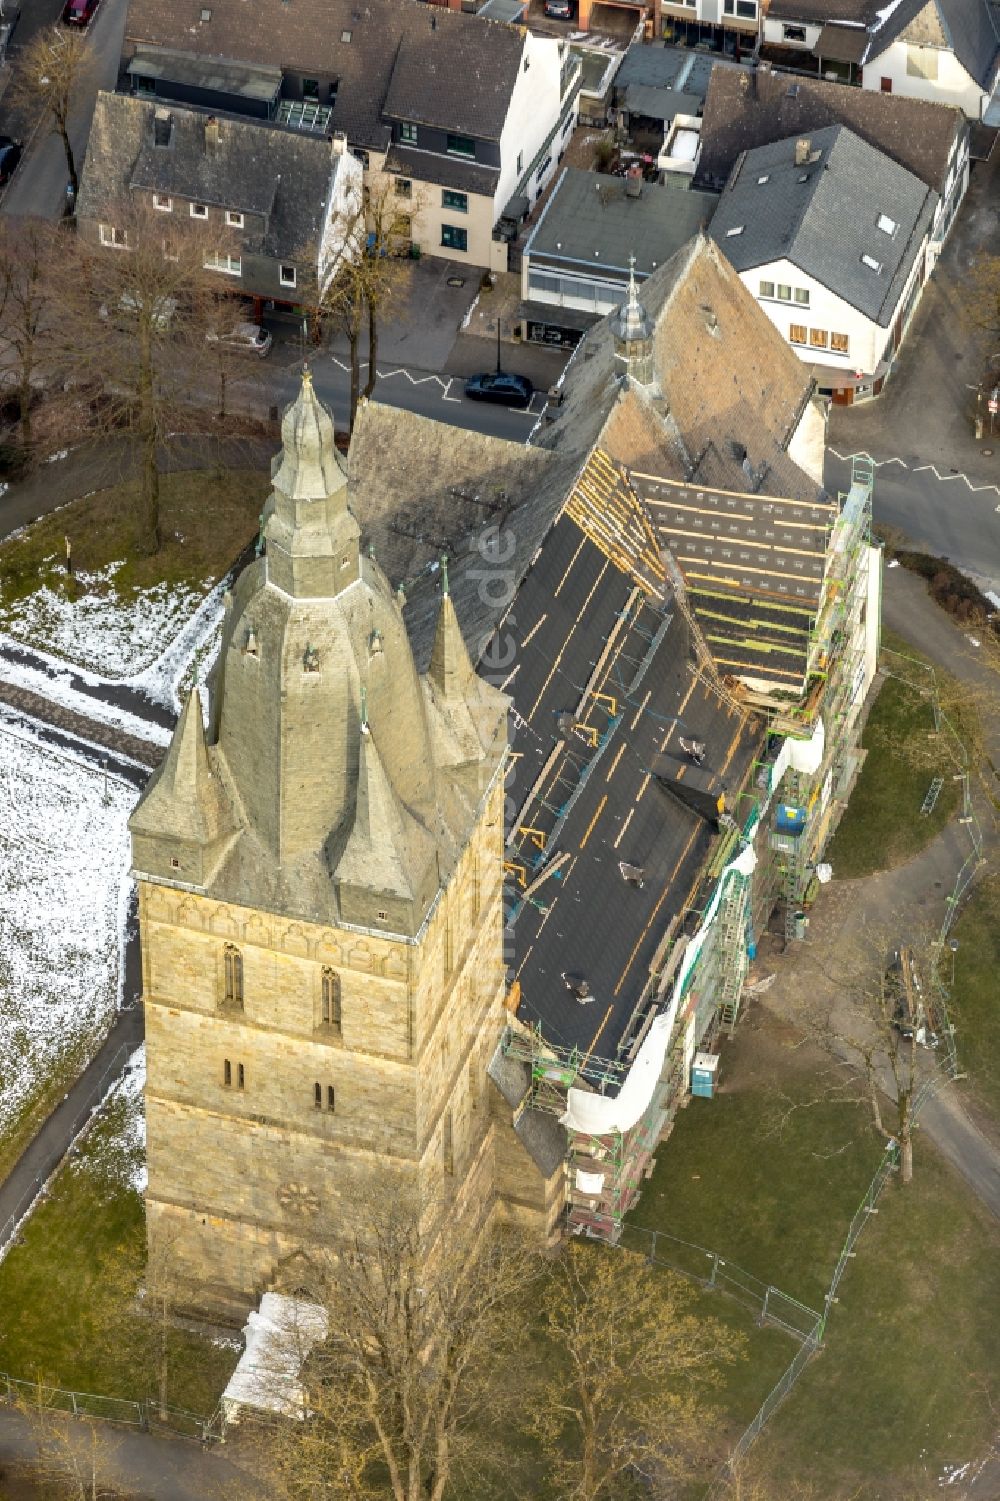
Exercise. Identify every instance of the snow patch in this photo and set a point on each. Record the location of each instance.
(54, 681)
(951, 1473)
(123, 1158)
(100, 630)
(64, 857)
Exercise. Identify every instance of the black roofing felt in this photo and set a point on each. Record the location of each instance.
(586, 919)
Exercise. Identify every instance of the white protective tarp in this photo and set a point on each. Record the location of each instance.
(278, 1339)
(589, 1183)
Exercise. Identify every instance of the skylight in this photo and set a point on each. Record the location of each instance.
(765, 178)
(886, 225)
(737, 229)
(871, 263)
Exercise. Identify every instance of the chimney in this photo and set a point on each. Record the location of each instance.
(162, 125)
(803, 150)
(211, 135)
(633, 182)
(338, 143)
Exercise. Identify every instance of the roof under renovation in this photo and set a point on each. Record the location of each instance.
(753, 566)
(614, 814)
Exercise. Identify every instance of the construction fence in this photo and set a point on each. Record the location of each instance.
(35, 1396)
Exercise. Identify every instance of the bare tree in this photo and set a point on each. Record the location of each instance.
(420, 1354)
(72, 1457)
(628, 1373)
(28, 249)
(371, 273)
(133, 318)
(55, 71)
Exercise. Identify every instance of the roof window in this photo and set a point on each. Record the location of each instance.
(766, 178)
(736, 229)
(871, 263)
(886, 225)
(345, 36)
(206, 14)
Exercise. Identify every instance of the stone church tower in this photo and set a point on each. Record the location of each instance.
(320, 907)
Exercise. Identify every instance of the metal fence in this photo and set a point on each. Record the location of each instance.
(84, 1116)
(711, 1270)
(147, 1415)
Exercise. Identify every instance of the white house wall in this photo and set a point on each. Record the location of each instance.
(953, 85)
(534, 110)
(867, 340)
(341, 218)
(808, 442)
(774, 33)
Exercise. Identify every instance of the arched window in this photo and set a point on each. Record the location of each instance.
(233, 963)
(330, 1012)
(331, 1098)
(227, 1072)
(318, 1096)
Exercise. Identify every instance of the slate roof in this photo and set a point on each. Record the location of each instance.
(971, 28)
(589, 217)
(679, 69)
(466, 177)
(741, 114)
(823, 217)
(421, 62)
(253, 169)
(581, 628)
(732, 391)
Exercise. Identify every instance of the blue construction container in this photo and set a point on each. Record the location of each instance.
(789, 819)
(704, 1072)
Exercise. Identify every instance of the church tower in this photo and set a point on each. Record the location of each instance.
(320, 906)
(632, 332)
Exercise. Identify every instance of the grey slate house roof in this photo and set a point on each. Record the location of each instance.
(398, 58)
(741, 114)
(824, 217)
(280, 180)
(590, 218)
(969, 28)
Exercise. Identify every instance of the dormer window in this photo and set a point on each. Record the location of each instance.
(234, 219)
(163, 203)
(408, 134)
(250, 648)
(286, 276)
(375, 647)
(310, 659)
(199, 211)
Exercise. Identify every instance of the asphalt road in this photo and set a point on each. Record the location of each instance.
(39, 185)
(948, 516)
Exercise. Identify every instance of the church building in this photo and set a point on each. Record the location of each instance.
(320, 907)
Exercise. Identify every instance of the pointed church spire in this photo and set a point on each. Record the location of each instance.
(450, 667)
(313, 541)
(632, 331)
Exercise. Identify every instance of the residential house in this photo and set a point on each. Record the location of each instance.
(744, 111)
(726, 25)
(281, 204)
(946, 51)
(592, 234)
(832, 238)
(656, 82)
(464, 118)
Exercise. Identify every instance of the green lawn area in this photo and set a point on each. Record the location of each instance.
(206, 518)
(67, 1289)
(769, 1173)
(902, 1389)
(883, 825)
(975, 1004)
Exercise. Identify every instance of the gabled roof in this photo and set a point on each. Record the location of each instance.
(848, 217)
(731, 391)
(398, 56)
(742, 113)
(283, 176)
(969, 28)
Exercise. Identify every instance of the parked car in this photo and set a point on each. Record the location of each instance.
(79, 12)
(243, 338)
(10, 155)
(507, 390)
(559, 10)
(125, 315)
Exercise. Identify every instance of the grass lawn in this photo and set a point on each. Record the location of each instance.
(771, 1179)
(118, 612)
(975, 1006)
(206, 518)
(883, 825)
(900, 1395)
(67, 1288)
